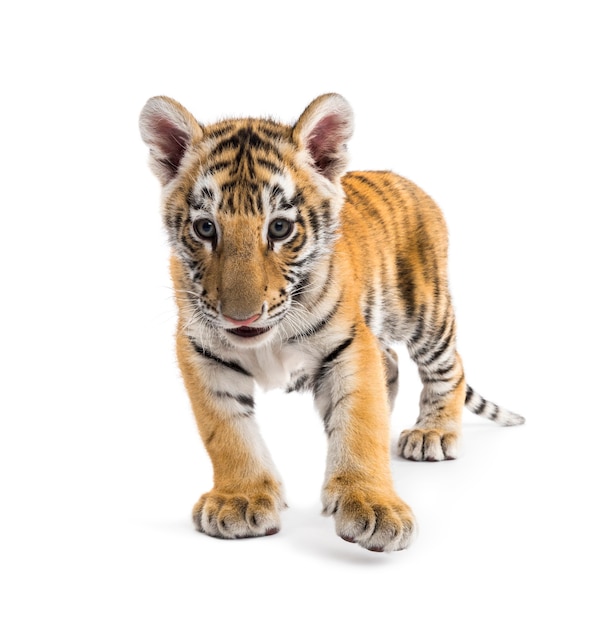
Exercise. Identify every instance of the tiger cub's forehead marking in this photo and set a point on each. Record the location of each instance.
(279, 194)
(244, 150)
(276, 195)
(205, 196)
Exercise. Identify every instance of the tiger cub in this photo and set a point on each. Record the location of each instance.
(290, 273)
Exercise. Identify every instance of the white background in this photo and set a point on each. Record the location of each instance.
(494, 109)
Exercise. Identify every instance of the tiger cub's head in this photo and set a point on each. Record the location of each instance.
(251, 209)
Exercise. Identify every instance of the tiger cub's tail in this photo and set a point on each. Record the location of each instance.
(478, 405)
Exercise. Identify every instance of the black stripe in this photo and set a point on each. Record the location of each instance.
(298, 199)
(220, 166)
(338, 350)
(197, 276)
(276, 193)
(245, 187)
(300, 286)
(368, 209)
(244, 400)
(300, 239)
(173, 220)
(369, 304)
(190, 263)
(269, 131)
(444, 334)
(406, 284)
(419, 328)
(480, 408)
(244, 139)
(434, 356)
(426, 380)
(366, 202)
(219, 132)
(290, 277)
(309, 260)
(328, 360)
(436, 403)
(327, 416)
(299, 385)
(445, 370)
(446, 392)
(469, 392)
(274, 168)
(315, 222)
(247, 402)
(229, 364)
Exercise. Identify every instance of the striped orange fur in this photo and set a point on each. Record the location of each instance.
(289, 272)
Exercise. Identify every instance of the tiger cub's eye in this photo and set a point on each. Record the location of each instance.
(279, 229)
(205, 229)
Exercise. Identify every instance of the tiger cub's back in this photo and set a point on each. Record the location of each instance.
(396, 239)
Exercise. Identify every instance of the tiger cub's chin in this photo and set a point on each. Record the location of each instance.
(248, 336)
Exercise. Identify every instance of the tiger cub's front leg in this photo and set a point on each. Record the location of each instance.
(246, 497)
(351, 394)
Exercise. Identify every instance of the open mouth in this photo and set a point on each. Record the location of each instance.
(247, 331)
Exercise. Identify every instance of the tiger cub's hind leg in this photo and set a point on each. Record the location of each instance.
(436, 434)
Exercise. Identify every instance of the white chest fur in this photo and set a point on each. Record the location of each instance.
(273, 367)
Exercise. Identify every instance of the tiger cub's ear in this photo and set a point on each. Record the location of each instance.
(323, 130)
(168, 129)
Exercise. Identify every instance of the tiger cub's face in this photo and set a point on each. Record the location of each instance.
(251, 207)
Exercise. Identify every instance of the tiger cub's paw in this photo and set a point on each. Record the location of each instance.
(254, 513)
(429, 444)
(378, 522)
